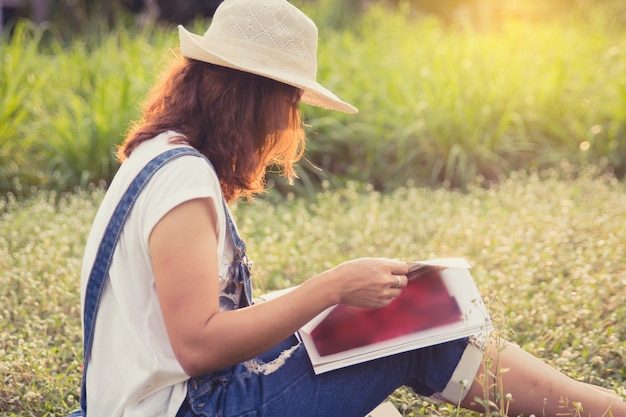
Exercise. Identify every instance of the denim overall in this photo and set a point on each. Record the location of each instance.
(281, 381)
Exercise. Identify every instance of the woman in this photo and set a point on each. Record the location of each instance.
(175, 333)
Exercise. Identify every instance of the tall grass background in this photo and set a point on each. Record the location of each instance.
(438, 105)
(443, 105)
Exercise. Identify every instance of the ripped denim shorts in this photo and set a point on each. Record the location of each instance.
(281, 382)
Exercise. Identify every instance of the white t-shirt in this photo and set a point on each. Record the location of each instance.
(132, 370)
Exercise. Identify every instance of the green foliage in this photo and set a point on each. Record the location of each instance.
(64, 108)
(445, 105)
(80, 128)
(438, 105)
(19, 82)
(547, 252)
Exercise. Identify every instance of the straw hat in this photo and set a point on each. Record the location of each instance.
(271, 38)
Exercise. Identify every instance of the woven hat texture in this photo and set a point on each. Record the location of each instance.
(271, 38)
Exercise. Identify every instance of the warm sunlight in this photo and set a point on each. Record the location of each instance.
(491, 14)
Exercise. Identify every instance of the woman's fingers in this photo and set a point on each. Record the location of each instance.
(372, 282)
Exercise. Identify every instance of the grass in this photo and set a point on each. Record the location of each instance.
(548, 252)
(438, 105)
(444, 105)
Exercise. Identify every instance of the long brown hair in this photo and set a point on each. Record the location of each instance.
(242, 122)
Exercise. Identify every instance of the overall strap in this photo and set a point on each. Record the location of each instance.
(241, 267)
(104, 255)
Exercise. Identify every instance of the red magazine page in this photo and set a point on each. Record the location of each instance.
(424, 304)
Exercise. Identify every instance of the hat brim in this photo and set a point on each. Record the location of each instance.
(314, 93)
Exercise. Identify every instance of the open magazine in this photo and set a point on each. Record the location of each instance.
(439, 304)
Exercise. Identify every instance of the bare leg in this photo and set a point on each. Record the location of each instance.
(536, 388)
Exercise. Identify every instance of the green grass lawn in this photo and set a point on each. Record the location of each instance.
(548, 252)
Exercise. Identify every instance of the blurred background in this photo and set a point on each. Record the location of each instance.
(450, 92)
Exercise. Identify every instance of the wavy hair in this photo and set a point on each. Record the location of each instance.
(243, 123)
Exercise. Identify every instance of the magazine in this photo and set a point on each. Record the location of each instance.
(440, 303)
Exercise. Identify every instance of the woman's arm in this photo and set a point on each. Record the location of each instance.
(184, 257)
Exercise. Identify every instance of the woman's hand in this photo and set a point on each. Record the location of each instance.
(203, 338)
(368, 282)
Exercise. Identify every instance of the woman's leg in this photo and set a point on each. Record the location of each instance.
(537, 388)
